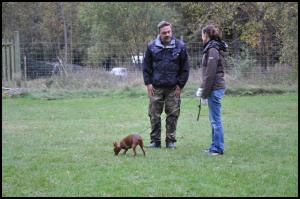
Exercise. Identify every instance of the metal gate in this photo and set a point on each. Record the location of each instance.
(11, 60)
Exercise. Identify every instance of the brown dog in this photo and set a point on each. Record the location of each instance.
(130, 141)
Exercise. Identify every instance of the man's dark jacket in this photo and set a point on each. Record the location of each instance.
(166, 66)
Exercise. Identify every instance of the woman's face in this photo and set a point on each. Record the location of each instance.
(204, 37)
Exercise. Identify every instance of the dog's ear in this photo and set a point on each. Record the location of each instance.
(114, 143)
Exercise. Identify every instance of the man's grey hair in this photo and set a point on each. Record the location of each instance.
(163, 24)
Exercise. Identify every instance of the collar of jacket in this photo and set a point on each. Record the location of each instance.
(159, 44)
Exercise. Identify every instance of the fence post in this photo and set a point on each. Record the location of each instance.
(25, 69)
(8, 50)
(17, 55)
(3, 62)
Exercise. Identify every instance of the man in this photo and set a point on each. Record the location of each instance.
(165, 72)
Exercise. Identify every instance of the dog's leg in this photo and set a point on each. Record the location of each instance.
(125, 150)
(133, 148)
(141, 145)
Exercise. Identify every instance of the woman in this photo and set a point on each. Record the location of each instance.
(212, 87)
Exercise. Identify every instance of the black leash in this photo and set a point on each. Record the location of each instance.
(199, 110)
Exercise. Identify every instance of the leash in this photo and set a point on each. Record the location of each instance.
(199, 110)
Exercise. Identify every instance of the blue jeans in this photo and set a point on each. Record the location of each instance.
(214, 106)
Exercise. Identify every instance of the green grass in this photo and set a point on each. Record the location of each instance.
(63, 147)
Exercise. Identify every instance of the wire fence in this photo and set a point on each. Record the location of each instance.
(45, 59)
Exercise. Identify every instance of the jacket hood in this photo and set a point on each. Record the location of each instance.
(220, 45)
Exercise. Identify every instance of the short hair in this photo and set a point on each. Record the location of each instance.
(163, 24)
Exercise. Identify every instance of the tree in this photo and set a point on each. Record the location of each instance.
(90, 32)
(269, 29)
(127, 26)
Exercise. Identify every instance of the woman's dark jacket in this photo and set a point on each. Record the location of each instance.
(213, 67)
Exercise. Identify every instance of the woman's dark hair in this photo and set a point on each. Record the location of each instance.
(212, 32)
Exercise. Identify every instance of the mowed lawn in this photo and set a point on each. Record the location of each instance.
(64, 148)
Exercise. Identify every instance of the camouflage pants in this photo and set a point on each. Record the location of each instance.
(164, 98)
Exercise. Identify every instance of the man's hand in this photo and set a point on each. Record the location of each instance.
(177, 91)
(199, 92)
(150, 90)
(204, 102)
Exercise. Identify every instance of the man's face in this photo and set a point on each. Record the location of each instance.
(165, 34)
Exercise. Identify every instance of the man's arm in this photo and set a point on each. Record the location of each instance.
(147, 67)
(184, 68)
(147, 72)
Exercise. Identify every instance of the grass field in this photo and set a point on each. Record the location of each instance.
(64, 147)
